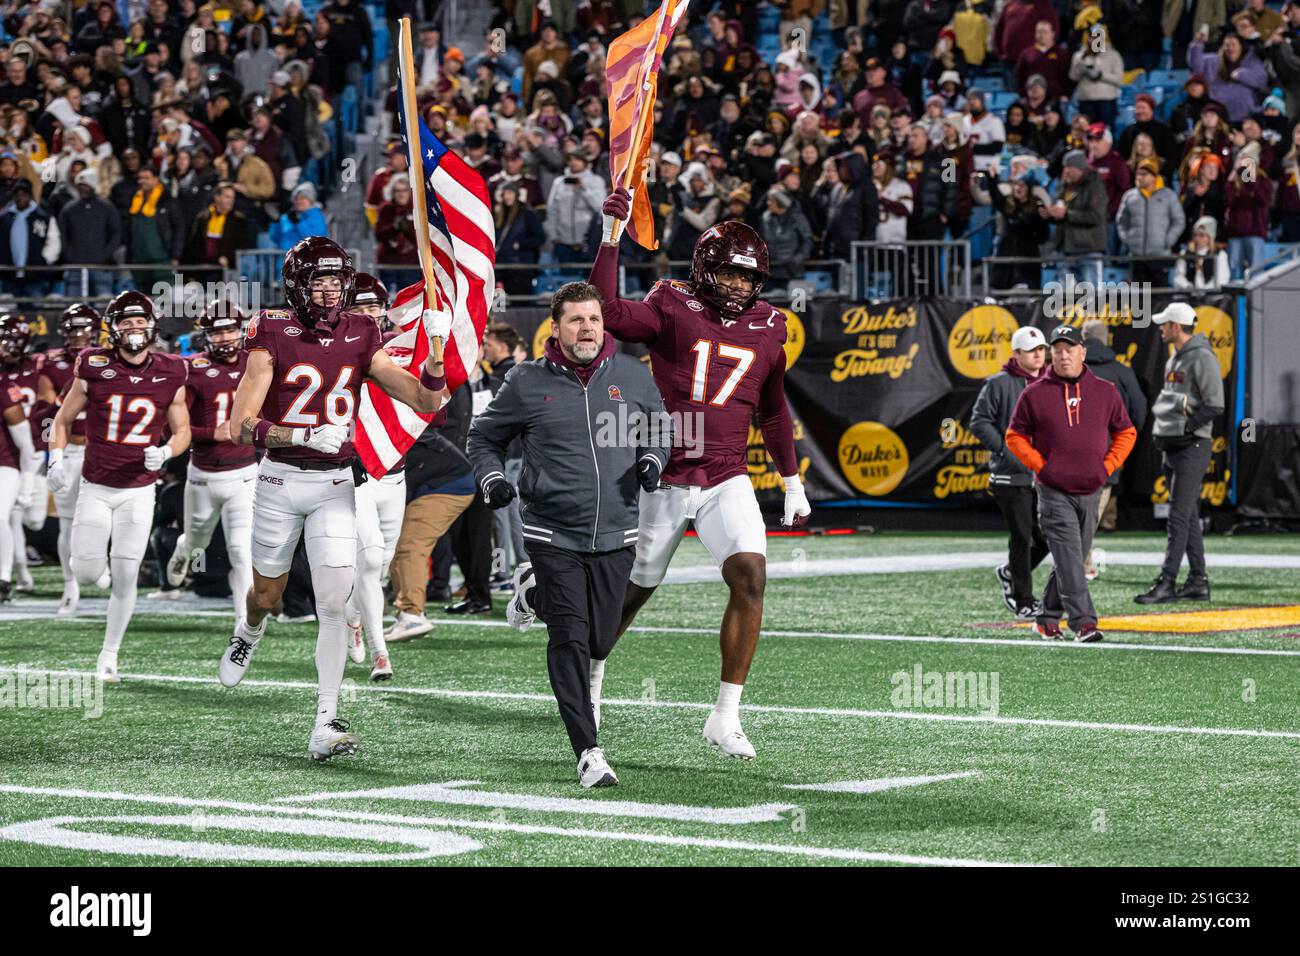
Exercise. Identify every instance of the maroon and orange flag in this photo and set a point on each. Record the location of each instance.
(632, 68)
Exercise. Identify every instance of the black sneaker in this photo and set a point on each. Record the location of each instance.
(1003, 574)
(469, 607)
(5, 597)
(1162, 592)
(1196, 588)
(1030, 611)
(1090, 634)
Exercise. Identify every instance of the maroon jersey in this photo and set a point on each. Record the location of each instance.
(210, 394)
(725, 372)
(126, 412)
(26, 376)
(318, 374)
(58, 368)
(9, 395)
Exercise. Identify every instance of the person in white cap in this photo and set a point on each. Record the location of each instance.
(1010, 483)
(1184, 413)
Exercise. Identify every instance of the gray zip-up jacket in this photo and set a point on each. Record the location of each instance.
(991, 416)
(581, 445)
(1192, 395)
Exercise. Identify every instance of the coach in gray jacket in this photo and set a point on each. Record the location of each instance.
(1184, 413)
(594, 434)
(1010, 483)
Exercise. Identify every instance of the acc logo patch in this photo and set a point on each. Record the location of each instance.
(615, 395)
(97, 360)
(60, 365)
(293, 330)
(213, 373)
(694, 306)
(199, 362)
(108, 373)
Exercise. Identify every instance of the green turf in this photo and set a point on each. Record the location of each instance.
(1055, 793)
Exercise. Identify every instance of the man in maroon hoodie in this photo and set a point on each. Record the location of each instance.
(1014, 32)
(1071, 430)
(1110, 166)
(878, 90)
(1046, 58)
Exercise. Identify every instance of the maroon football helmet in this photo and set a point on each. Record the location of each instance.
(79, 325)
(733, 244)
(218, 316)
(128, 305)
(367, 290)
(309, 258)
(15, 334)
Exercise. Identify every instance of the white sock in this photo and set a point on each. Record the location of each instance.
(367, 601)
(248, 632)
(70, 587)
(121, 602)
(728, 704)
(332, 586)
(596, 680)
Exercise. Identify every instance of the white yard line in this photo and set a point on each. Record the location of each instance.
(826, 853)
(847, 712)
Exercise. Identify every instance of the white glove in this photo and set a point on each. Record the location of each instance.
(437, 324)
(323, 438)
(797, 508)
(155, 456)
(54, 476)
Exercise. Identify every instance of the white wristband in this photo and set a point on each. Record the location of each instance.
(298, 436)
(792, 484)
(56, 455)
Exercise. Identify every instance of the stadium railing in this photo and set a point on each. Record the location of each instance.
(916, 267)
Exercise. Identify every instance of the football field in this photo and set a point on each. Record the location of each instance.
(900, 717)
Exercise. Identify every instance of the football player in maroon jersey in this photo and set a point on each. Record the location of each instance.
(19, 460)
(132, 396)
(381, 506)
(297, 399)
(717, 354)
(22, 369)
(79, 326)
(219, 485)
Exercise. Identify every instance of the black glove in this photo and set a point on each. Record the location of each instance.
(648, 472)
(497, 492)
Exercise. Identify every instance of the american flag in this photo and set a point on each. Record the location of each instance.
(461, 258)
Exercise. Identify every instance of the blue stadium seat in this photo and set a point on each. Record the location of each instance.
(993, 83)
(1114, 274)
(548, 283)
(1173, 79)
(999, 102)
(821, 281)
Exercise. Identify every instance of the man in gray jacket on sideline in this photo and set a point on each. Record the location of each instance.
(1184, 412)
(594, 434)
(1010, 483)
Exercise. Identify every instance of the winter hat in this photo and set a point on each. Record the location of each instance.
(1207, 225)
(741, 194)
(306, 189)
(950, 76)
(1075, 159)
(1274, 101)
(1146, 98)
(1036, 80)
(934, 101)
(780, 197)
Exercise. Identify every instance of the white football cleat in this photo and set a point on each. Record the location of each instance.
(106, 668)
(407, 626)
(727, 736)
(332, 739)
(235, 661)
(25, 583)
(172, 594)
(105, 580)
(68, 606)
(519, 612)
(178, 563)
(296, 619)
(594, 770)
(383, 668)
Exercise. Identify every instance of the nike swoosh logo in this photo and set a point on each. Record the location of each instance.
(761, 325)
(339, 481)
(162, 379)
(351, 338)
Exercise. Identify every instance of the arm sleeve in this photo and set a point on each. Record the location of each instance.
(1025, 452)
(983, 419)
(28, 460)
(775, 423)
(628, 321)
(490, 433)
(1121, 443)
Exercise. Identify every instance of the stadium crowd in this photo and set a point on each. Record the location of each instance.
(155, 133)
(821, 124)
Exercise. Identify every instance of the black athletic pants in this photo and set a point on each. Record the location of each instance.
(580, 597)
(1026, 548)
(471, 542)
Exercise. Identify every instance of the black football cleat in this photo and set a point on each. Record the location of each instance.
(1162, 592)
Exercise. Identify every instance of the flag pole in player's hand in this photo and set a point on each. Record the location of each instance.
(415, 163)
